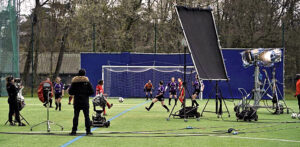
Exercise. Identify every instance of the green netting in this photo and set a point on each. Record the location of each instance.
(9, 52)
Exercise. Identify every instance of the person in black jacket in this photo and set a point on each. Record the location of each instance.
(81, 88)
(12, 101)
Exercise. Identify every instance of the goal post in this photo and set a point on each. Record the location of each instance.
(129, 81)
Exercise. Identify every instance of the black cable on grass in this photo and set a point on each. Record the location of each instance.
(141, 134)
(159, 134)
(267, 104)
(256, 127)
(247, 124)
(254, 122)
(260, 131)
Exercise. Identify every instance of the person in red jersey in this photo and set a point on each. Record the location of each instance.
(99, 89)
(148, 89)
(67, 87)
(297, 94)
(181, 90)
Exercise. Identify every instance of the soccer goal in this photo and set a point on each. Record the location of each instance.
(129, 81)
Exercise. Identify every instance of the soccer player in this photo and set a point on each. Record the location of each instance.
(99, 89)
(70, 96)
(148, 89)
(196, 85)
(181, 91)
(159, 97)
(297, 94)
(70, 99)
(172, 90)
(201, 89)
(59, 92)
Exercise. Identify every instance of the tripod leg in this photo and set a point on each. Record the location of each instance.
(204, 107)
(216, 105)
(287, 108)
(6, 122)
(48, 126)
(62, 128)
(38, 124)
(220, 106)
(22, 118)
(226, 108)
(171, 111)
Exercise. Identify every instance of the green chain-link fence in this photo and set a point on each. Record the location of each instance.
(9, 52)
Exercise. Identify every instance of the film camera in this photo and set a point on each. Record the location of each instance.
(18, 82)
(47, 93)
(46, 90)
(97, 119)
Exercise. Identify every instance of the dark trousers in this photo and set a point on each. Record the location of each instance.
(86, 116)
(47, 97)
(13, 109)
(298, 96)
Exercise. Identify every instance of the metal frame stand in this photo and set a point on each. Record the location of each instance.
(218, 97)
(259, 92)
(47, 122)
(21, 118)
(275, 92)
(185, 88)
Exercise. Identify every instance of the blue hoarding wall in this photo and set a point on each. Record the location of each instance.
(239, 76)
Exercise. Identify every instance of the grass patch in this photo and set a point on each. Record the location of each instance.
(141, 128)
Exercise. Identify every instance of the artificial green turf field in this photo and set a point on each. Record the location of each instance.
(138, 127)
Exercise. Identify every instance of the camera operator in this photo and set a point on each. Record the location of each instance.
(12, 101)
(81, 88)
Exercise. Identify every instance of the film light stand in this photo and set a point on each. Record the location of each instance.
(219, 99)
(184, 87)
(275, 92)
(48, 122)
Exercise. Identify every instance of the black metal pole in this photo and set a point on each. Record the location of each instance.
(94, 45)
(184, 82)
(32, 42)
(155, 47)
(283, 43)
(217, 98)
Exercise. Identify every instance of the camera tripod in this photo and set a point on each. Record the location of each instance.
(219, 99)
(21, 118)
(47, 122)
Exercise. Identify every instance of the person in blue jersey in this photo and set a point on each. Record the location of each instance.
(197, 86)
(159, 97)
(172, 90)
(59, 92)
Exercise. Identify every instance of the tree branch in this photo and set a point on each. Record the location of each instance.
(44, 3)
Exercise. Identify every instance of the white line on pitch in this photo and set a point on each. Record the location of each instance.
(256, 138)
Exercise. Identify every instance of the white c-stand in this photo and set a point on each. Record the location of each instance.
(48, 122)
